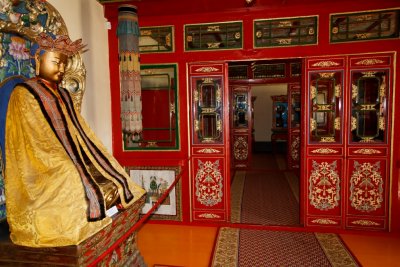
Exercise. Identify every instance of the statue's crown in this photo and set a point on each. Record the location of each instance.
(61, 43)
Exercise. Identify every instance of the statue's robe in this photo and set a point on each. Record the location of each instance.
(51, 160)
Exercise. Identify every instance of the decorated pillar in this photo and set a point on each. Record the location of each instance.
(129, 66)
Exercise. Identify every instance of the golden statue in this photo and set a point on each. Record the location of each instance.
(59, 178)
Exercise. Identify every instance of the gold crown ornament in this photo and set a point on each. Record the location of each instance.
(61, 43)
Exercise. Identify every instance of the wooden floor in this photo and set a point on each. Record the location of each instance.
(192, 246)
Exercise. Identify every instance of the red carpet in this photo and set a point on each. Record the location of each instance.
(268, 200)
(247, 247)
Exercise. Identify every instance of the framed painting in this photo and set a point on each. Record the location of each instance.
(156, 181)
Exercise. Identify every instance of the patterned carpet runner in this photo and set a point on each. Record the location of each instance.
(264, 198)
(247, 247)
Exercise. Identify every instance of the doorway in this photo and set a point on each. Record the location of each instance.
(265, 189)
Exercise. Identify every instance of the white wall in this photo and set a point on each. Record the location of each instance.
(263, 109)
(85, 19)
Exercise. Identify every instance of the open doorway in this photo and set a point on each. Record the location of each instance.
(265, 185)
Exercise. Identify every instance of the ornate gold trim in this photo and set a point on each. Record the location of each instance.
(338, 90)
(324, 221)
(367, 151)
(369, 73)
(208, 151)
(354, 91)
(324, 151)
(206, 69)
(209, 216)
(353, 123)
(326, 75)
(313, 92)
(327, 139)
(337, 123)
(313, 124)
(326, 63)
(365, 223)
(369, 61)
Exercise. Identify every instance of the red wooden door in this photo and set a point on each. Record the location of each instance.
(347, 149)
(368, 149)
(209, 146)
(241, 125)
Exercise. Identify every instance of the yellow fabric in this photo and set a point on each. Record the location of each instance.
(45, 198)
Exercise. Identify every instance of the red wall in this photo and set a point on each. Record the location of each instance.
(179, 13)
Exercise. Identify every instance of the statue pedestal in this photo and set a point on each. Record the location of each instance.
(126, 254)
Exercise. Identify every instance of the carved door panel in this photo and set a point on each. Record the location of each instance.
(209, 124)
(325, 183)
(323, 151)
(350, 128)
(293, 149)
(241, 126)
(367, 190)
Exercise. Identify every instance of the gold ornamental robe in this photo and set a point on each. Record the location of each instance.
(47, 200)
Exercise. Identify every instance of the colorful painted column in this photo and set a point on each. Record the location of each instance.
(129, 65)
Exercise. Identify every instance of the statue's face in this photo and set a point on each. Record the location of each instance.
(52, 66)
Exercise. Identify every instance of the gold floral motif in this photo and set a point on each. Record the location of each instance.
(324, 107)
(363, 35)
(325, 151)
(369, 61)
(366, 186)
(369, 73)
(313, 124)
(324, 185)
(240, 148)
(213, 45)
(338, 90)
(286, 23)
(209, 216)
(337, 123)
(219, 125)
(209, 183)
(214, 28)
(367, 140)
(196, 125)
(326, 75)
(218, 96)
(208, 151)
(365, 223)
(382, 124)
(196, 96)
(353, 123)
(313, 92)
(367, 151)
(354, 91)
(295, 148)
(324, 221)
(327, 63)
(206, 69)
(363, 17)
(382, 88)
(367, 107)
(328, 139)
(285, 41)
